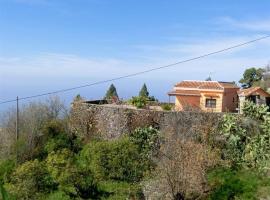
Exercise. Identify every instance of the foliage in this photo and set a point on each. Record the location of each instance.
(208, 78)
(236, 184)
(78, 97)
(147, 139)
(30, 180)
(69, 178)
(111, 93)
(3, 192)
(33, 117)
(61, 166)
(167, 107)
(58, 195)
(181, 170)
(55, 137)
(251, 77)
(257, 112)
(247, 139)
(139, 102)
(117, 160)
(235, 136)
(6, 169)
(121, 190)
(144, 91)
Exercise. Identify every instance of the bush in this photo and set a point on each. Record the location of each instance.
(58, 195)
(70, 179)
(118, 160)
(121, 190)
(247, 138)
(232, 184)
(30, 180)
(148, 140)
(167, 107)
(6, 168)
(138, 102)
(255, 111)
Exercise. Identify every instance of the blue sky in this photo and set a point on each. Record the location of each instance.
(52, 44)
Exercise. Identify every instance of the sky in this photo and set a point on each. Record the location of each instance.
(46, 45)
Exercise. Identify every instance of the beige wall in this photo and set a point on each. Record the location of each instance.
(218, 96)
(225, 101)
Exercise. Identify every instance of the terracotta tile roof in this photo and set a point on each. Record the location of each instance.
(211, 85)
(228, 85)
(252, 90)
(185, 93)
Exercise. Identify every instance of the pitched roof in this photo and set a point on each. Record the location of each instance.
(212, 85)
(252, 90)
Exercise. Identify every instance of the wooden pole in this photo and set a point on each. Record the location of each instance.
(17, 119)
(17, 127)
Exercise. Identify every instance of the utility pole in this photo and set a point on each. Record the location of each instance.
(17, 119)
(17, 127)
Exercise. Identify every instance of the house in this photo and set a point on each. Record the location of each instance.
(210, 96)
(254, 94)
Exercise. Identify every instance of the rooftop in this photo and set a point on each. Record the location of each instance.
(212, 85)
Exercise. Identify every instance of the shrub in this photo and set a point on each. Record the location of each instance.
(235, 136)
(247, 138)
(58, 195)
(139, 102)
(121, 190)
(166, 107)
(30, 180)
(116, 160)
(70, 178)
(6, 168)
(232, 184)
(255, 111)
(148, 140)
(3, 192)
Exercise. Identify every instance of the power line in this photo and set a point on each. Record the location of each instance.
(138, 73)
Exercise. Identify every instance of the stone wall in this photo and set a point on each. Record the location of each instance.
(111, 121)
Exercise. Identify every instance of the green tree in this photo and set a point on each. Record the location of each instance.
(111, 92)
(208, 78)
(144, 91)
(252, 77)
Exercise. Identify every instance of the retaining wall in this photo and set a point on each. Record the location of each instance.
(111, 121)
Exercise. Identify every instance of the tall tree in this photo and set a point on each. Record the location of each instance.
(144, 91)
(112, 92)
(251, 77)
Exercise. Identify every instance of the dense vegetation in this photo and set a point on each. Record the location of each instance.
(256, 77)
(246, 152)
(49, 161)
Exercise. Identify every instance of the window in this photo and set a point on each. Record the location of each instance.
(210, 103)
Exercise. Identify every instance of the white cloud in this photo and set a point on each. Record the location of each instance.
(75, 66)
(251, 25)
(62, 65)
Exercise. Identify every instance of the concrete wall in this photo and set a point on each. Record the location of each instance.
(111, 121)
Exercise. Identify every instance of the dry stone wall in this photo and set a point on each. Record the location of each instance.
(112, 121)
